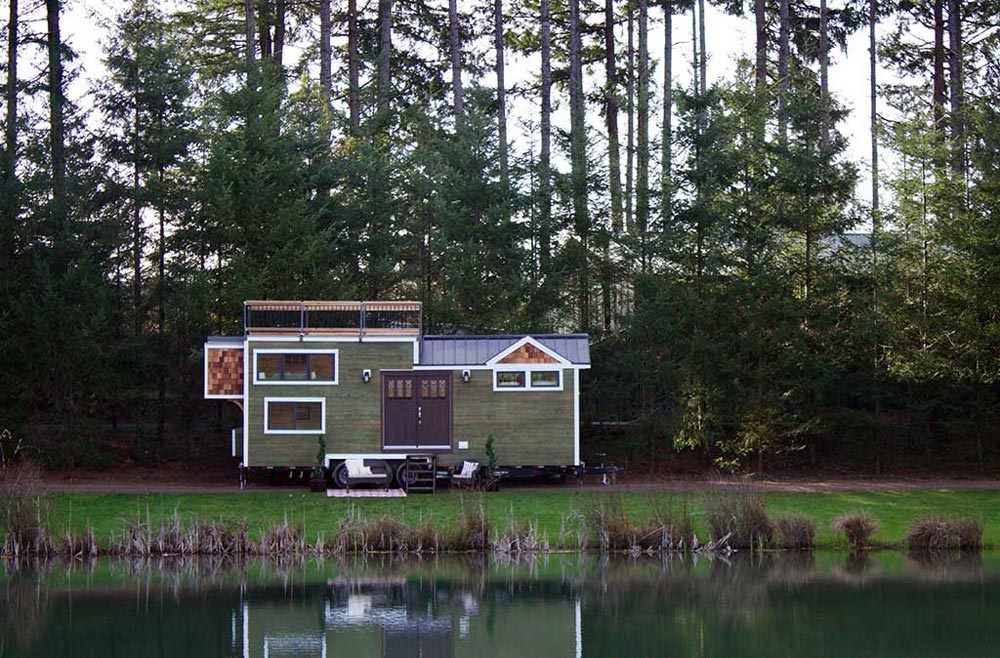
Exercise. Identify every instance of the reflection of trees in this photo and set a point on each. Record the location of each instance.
(670, 596)
(24, 604)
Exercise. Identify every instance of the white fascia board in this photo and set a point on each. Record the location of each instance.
(388, 456)
(246, 404)
(576, 415)
(528, 340)
(508, 366)
(285, 338)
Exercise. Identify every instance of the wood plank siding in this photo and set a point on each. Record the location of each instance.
(528, 427)
(352, 406)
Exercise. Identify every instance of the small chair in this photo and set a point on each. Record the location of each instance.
(467, 475)
(358, 473)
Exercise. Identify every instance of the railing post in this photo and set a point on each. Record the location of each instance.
(303, 319)
(361, 325)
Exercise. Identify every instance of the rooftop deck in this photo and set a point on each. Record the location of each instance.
(333, 318)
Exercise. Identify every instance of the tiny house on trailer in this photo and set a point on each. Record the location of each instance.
(363, 380)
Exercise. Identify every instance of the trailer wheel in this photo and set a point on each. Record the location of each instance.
(340, 476)
(401, 478)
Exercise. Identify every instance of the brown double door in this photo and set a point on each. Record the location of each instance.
(416, 410)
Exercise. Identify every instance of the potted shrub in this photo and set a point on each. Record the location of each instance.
(491, 482)
(317, 479)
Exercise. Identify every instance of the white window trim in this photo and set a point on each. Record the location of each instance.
(322, 415)
(297, 382)
(527, 369)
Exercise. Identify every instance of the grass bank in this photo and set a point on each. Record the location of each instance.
(558, 514)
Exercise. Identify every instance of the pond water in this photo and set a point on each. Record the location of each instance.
(563, 605)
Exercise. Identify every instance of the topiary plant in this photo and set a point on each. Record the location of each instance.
(491, 455)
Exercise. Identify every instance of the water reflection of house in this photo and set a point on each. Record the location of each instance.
(400, 619)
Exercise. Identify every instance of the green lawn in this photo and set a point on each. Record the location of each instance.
(895, 510)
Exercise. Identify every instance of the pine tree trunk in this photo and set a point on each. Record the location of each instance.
(501, 90)
(544, 158)
(760, 25)
(784, 35)
(642, 156)
(703, 55)
(57, 136)
(873, 98)
(824, 73)
(249, 22)
(161, 314)
(325, 53)
(279, 35)
(630, 117)
(353, 73)
(137, 232)
(11, 192)
(456, 57)
(666, 140)
(956, 80)
(611, 117)
(938, 58)
(578, 158)
(264, 33)
(384, 55)
(699, 245)
(876, 225)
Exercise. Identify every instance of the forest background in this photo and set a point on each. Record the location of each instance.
(750, 305)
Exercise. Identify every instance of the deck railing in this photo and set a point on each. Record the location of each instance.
(374, 318)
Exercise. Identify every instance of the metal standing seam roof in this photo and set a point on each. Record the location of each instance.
(477, 350)
(473, 350)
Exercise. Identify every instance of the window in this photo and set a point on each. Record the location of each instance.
(299, 367)
(510, 379)
(299, 416)
(434, 389)
(399, 389)
(527, 380)
(545, 379)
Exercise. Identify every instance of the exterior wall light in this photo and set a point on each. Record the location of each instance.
(366, 375)
(466, 376)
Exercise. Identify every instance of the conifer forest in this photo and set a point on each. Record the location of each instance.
(756, 296)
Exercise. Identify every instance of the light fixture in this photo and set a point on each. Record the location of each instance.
(466, 376)
(366, 375)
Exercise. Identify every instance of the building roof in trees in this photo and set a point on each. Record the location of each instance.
(478, 350)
